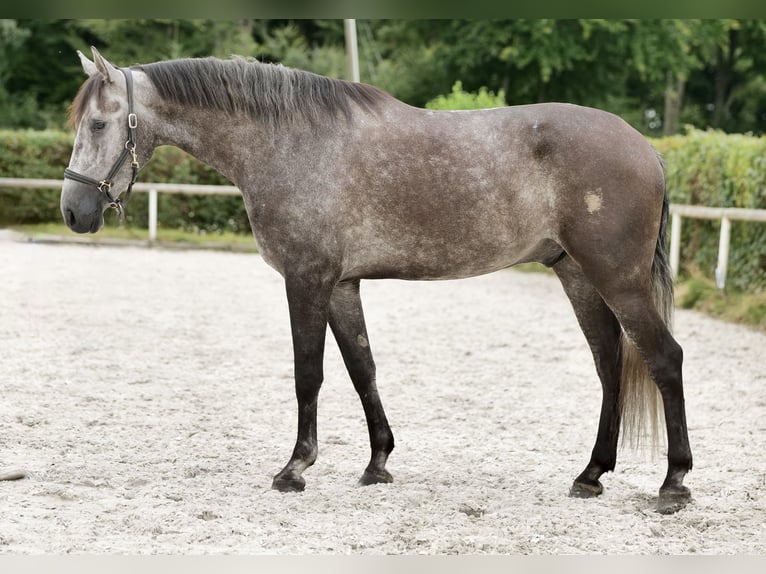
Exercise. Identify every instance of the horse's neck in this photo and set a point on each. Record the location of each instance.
(225, 143)
(246, 150)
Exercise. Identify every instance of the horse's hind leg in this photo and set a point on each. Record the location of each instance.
(664, 358)
(631, 300)
(347, 323)
(602, 331)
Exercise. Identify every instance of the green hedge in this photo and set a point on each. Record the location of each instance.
(459, 99)
(720, 170)
(703, 168)
(32, 154)
(45, 154)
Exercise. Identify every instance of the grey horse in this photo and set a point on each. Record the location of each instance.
(343, 182)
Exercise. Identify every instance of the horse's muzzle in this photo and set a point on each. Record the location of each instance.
(82, 208)
(83, 224)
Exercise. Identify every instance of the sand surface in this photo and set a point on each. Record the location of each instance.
(148, 396)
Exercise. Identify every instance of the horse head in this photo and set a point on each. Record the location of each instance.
(109, 146)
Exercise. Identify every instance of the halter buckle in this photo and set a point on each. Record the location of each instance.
(104, 184)
(132, 121)
(131, 147)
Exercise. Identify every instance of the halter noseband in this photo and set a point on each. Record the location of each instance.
(105, 185)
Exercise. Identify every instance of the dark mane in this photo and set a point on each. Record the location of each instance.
(266, 92)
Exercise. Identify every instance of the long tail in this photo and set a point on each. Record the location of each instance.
(640, 400)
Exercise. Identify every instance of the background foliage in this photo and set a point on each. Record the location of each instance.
(658, 74)
(459, 99)
(721, 170)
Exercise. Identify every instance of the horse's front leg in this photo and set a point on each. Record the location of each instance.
(347, 324)
(308, 300)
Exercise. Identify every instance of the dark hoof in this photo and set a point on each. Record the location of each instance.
(288, 483)
(673, 500)
(585, 489)
(377, 477)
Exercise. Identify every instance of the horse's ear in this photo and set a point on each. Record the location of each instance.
(87, 66)
(107, 70)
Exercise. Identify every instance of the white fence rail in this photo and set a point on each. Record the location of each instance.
(151, 188)
(725, 214)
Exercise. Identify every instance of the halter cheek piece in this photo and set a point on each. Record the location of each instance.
(104, 186)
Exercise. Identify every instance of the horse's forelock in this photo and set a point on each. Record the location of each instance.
(90, 88)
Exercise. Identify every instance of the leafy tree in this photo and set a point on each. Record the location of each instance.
(33, 74)
(149, 40)
(313, 45)
(403, 57)
(13, 107)
(658, 74)
(731, 84)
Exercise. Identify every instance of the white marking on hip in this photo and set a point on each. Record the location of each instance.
(593, 200)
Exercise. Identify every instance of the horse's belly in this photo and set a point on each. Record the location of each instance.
(454, 259)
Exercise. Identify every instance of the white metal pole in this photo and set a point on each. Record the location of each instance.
(352, 53)
(152, 215)
(675, 243)
(723, 253)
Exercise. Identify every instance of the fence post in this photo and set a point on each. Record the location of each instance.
(675, 243)
(352, 51)
(723, 253)
(152, 215)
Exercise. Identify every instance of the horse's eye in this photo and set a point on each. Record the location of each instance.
(97, 125)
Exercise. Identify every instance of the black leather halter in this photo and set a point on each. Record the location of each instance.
(105, 185)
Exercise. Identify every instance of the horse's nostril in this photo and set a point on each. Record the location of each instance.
(70, 218)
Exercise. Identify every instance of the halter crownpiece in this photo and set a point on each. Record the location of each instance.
(104, 186)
